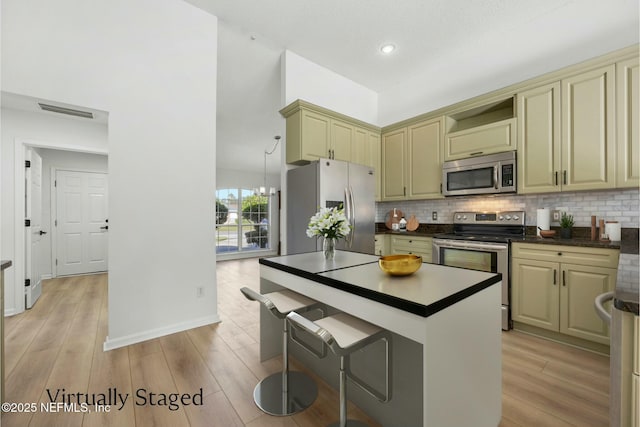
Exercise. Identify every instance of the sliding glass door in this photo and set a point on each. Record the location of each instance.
(242, 221)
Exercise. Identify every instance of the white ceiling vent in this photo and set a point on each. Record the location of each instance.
(64, 110)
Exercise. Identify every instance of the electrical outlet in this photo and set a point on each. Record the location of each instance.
(434, 215)
(199, 292)
(555, 215)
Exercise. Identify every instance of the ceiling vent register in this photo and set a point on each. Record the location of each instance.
(64, 110)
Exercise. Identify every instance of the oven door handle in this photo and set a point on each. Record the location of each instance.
(457, 245)
(495, 177)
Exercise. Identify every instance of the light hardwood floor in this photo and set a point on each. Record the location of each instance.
(58, 344)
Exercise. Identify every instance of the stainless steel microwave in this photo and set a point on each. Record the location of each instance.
(492, 174)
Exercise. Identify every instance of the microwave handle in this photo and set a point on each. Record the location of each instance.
(495, 177)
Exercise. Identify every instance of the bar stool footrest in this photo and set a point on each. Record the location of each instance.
(350, 423)
(270, 397)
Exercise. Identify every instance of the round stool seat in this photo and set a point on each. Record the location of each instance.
(270, 397)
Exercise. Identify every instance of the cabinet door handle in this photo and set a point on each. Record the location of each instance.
(404, 191)
(556, 177)
(564, 177)
(476, 153)
(564, 279)
(555, 276)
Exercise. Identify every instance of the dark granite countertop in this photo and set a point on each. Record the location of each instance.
(581, 237)
(4, 264)
(627, 300)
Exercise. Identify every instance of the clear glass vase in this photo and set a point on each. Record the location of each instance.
(329, 247)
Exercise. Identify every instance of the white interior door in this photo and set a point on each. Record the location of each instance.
(82, 222)
(33, 210)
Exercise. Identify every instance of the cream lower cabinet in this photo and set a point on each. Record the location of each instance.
(412, 161)
(554, 287)
(412, 245)
(381, 245)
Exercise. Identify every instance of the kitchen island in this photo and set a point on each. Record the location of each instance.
(446, 334)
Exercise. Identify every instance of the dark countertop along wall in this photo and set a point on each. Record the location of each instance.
(581, 236)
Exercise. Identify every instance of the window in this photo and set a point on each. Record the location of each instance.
(242, 221)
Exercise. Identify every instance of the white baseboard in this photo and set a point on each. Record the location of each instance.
(10, 312)
(46, 277)
(160, 332)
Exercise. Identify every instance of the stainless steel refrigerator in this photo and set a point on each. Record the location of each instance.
(329, 183)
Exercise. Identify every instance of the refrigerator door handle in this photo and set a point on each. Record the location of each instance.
(351, 215)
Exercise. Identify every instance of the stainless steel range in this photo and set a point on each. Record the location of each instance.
(482, 241)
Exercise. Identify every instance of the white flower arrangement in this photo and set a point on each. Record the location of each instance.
(329, 223)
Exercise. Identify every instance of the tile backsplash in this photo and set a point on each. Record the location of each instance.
(628, 273)
(612, 205)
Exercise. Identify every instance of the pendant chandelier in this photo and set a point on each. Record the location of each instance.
(262, 190)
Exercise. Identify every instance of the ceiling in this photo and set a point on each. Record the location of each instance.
(432, 38)
(443, 46)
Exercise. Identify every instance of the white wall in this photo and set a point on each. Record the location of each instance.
(231, 178)
(311, 82)
(152, 65)
(306, 80)
(38, 128)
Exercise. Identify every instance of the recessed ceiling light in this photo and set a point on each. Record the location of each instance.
(387, 48)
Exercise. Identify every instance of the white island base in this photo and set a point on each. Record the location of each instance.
(446, 364)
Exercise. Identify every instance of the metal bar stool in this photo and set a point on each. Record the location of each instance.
(287, 392)
(345, 334)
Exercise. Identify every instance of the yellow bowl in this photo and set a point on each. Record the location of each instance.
(400, 265)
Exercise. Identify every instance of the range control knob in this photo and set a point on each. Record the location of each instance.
(458, 217)
(516, 217)
(508, 217)
(501, 218)
(464, 217)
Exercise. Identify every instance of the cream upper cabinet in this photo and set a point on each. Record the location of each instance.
(373, 156)
(341, 139)
(412, 161)
(627, 114)
(539, 139)
(566, 134)
(314, 132)
(553, 288)
(425, 157)
(365, 150)
(394, 147)
(307, 136)
(481, 140)
(588, 130)
(359, 147)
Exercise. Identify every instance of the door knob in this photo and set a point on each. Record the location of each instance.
(106, 227)
(42, 232)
